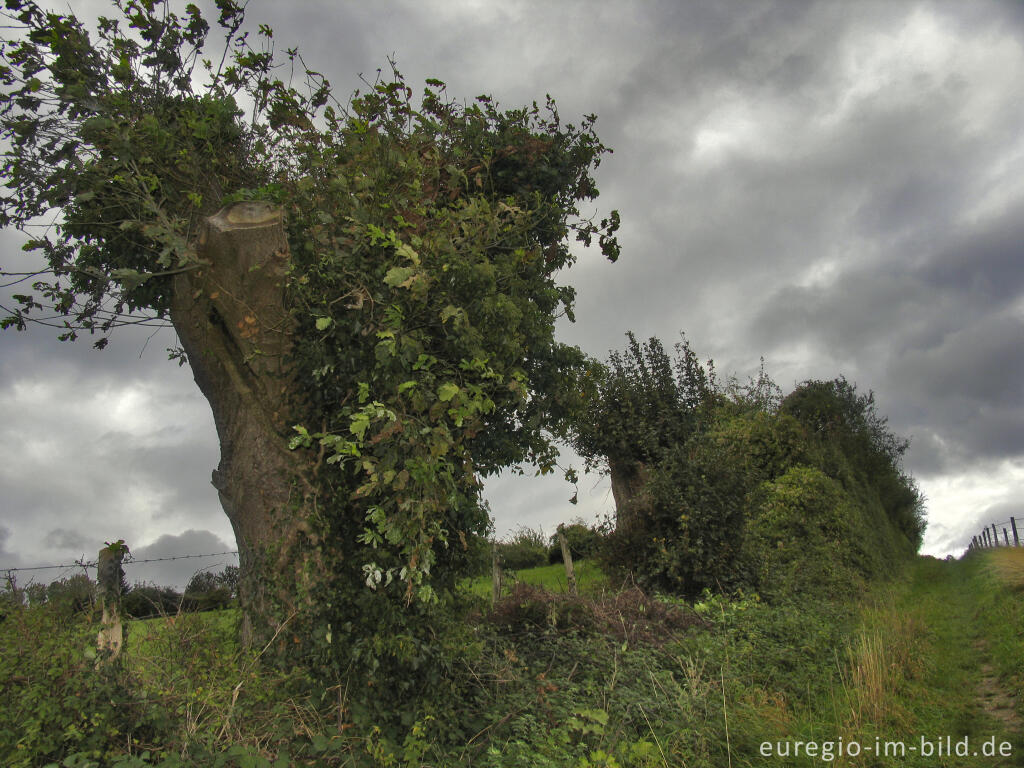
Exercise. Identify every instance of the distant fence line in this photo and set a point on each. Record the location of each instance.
(128, 561)
(989, 536)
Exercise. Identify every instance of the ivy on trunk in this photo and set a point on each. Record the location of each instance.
(366, 295)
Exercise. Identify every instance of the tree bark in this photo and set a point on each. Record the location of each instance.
(629, 479)
(233, 323)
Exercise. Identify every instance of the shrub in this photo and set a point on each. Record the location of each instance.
(528, 548)
(583, 541)
(207, 591)
(145, 601)
(807, 536)
(72, 595)
(629, 615)
(56, 702)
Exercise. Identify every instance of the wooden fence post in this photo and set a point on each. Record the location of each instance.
(495, 575)
(1016, 538)
(995, 536)
(1006, 537)
(108, 575)
(570, 573)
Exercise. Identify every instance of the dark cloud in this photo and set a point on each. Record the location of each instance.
(833, 186)
(5, 534)
(177, 572)
(68, 540)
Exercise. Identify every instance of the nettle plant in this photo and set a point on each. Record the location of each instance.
(371, 318)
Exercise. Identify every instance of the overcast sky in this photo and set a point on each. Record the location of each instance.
(837, 187)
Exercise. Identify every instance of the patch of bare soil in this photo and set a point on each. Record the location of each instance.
(994, 699)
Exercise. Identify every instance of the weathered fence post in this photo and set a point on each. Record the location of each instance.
(12, 587)
(108, 576)
(495, 575)
(570, 574)
(1006, 537)
(995, 536)
(1016, 538)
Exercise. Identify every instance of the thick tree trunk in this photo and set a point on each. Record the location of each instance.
(234, 326)
(629, 479)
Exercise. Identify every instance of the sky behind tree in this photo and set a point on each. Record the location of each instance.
(835, 187)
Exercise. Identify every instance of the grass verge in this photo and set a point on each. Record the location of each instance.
(607, 679)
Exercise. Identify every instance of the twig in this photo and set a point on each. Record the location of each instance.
(656, 739)
(725, 714)
(238, 688)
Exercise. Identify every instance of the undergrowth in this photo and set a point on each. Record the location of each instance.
(614, 678)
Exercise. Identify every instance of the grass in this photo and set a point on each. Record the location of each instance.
(1007, 565)
(915, 666)
(605, 680)
(148, 636)
(589, 579)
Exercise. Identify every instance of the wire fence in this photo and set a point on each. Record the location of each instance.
(87, 565)
(93, 563)
(1002, 534)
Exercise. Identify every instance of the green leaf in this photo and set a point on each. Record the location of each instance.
(447, 391)
(323, 323)
(406, 251)
(449, 312)
(129, 278)
(398, 275)
(360, 423)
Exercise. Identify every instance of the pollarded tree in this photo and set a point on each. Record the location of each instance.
(366, 294)
(638, 408)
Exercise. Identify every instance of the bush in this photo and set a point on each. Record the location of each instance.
(528, 548)
(807, 536)
(208, 591)
(479, 551)
(583, 541)
(145, 601)
(72, 595)
(214, 599)
(695, 521)
(56, 702)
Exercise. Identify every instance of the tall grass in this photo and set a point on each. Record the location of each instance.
(599, 681)
(1007, 565)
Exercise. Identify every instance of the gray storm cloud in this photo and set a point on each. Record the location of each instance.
(834, 186)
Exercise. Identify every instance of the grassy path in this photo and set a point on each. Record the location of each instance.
(950, 667)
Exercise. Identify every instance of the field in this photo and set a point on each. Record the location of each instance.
(589, 578)
(924, 665)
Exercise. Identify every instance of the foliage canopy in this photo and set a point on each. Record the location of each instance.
(425, 238)
(742, 488)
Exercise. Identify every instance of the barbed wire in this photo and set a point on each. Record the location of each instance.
(128, 561)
